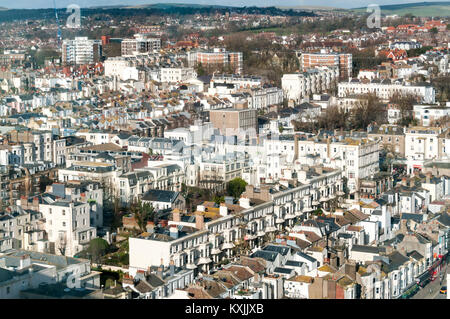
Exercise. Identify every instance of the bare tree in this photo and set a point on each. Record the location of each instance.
(62, 243)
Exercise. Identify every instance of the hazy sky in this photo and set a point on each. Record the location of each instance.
(31, 4)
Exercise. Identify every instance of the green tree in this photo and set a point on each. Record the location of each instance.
(109, 283)
(236, 187)
(44, 181)
(218, 199)
(142, 212)
(97, 248)
(200, 70)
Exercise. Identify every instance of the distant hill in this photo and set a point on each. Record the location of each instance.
(308, 8)
(165, 6)
(418, 9)
(158, 9)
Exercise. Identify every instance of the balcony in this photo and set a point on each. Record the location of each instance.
(191, 266)
(290, 216)
(260, 233)
(271, 229)
(228, 245)
(204, 260)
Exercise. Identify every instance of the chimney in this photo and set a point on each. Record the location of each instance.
(25, 261)
(302, 176)
(35, 203)
(404, 181)
(435, 170)
(223, 210)
(244, 202)
(150, 227)
(328, 146)
(319, 170)
(172, 268)
(199, 221)
(249, 190)
(161, 269)
(23, 202)
(173, 231)
(176, 216)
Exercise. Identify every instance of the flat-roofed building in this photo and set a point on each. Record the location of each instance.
(81, 50)
(140, 44)
(317, 59)
(218, 57)
(230, 121)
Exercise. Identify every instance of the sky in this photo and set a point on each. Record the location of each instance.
(33, 4)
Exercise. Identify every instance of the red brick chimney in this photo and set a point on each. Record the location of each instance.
(23, 202)
(199, 221)
(176, 216)
(35, 203)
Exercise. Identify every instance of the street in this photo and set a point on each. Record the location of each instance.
(435, 286)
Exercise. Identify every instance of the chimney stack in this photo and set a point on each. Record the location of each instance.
(35, 203)
(328, 146)
(199, 221)
(23, 202)
(173, 231)
(244, 202)
(161, 269)
(25, 261)
(319, 170)
(404, 181)
(172, 268)
(150, 227)
(428, 178)
(223, 209)
(176, 216)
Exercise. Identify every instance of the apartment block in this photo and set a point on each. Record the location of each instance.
(81, 50)
(230, 121)
(341, 60)
(217, 57)
(140, 44)
(314, 81)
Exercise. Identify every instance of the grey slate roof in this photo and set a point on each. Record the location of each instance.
(264, 254)
(157, 195)
(282, 250)
(366, 249)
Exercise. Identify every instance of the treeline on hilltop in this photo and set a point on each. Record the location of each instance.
(39, 14)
